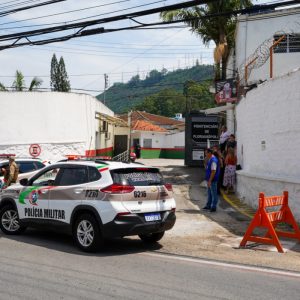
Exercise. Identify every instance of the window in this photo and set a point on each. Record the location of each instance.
(25, 167)
(137, 177)
(94, 174)
(39, 165)
(147, 143)
(73, 176)
(47, 179)
(289, 44)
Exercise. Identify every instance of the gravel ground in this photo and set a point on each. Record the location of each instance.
(213, 235)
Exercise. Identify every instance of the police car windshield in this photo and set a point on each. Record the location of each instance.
(137, 176)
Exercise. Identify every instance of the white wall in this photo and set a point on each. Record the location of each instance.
(253, 30)
(268, 136)
(160, 139)
(157, 138)
(59, 122)
(175, 140)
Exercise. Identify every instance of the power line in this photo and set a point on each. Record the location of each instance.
(8, 12)
(62, 13)
(85, 24)
(131, 16)
(93, 74)
(167, 56)
(74, 20)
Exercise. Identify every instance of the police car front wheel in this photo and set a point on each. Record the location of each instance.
(86, 233)
(9, 220)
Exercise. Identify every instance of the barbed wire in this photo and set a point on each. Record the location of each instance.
(261, 55)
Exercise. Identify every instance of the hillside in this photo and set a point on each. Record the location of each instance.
(123, 96)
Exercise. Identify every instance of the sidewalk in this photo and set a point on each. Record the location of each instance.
(203, 234)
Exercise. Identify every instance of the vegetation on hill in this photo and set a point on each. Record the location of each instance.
(163, 92)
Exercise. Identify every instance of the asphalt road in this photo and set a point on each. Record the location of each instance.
(41, 265)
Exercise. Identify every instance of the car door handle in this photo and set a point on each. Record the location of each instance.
(78, 191)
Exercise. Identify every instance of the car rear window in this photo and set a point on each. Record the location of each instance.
(137, 176)
(26, 167)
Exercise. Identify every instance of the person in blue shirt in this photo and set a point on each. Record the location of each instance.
(212, 172)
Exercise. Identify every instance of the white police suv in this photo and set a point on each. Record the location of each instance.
(27, 166)
(93, 199)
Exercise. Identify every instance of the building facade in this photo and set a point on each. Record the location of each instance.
(60, 123)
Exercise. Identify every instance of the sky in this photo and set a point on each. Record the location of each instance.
(120, 55)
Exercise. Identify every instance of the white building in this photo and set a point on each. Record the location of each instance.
(268, 140)
(254, 36)
(60, 123)
(267, 117)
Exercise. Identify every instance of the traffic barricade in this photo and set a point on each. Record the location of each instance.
(270, 220)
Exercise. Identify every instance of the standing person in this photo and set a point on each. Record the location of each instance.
(231, 143)
(13, 173)
(211, 176)
(230, 168)
(137, 150)
(223, 138)
(217, 152)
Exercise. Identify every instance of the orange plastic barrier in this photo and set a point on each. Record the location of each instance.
(270, 220)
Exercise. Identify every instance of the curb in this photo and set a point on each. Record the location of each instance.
(238, 205)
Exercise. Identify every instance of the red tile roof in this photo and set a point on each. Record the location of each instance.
(146, 126)
(154, 119)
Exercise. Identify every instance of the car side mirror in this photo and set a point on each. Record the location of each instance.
(24, 181)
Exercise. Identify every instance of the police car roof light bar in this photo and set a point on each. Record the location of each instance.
(4, 155)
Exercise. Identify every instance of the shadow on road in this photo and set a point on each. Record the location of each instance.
(63, 242)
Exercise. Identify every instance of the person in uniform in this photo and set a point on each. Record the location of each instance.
(12, 174)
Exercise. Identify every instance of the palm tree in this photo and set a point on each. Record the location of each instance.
(35, 83)
(19, 83)
(2, 87)
(219, 29)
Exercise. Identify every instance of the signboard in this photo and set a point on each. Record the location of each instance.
(226, 91)
(202, 131)
(35, 150)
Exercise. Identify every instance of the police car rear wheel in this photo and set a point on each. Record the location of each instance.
(86, 233)
(152, 237)
(9, 220)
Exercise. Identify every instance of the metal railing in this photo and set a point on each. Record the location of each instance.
(124, 156)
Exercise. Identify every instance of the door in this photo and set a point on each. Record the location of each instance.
(120, 144)
(69, 192)
(33, 199)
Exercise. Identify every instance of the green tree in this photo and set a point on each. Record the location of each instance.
(54, 75)
(219, 29)
(64, 83)
(2, 87)
(35, 83)
(19, 82)
(58, 75)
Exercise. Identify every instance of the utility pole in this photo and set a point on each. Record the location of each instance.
(129, 140)
(105, 86)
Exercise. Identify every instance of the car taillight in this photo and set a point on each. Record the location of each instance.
(118, 189)
(169, 187)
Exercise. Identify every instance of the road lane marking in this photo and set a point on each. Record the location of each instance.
(224, 264)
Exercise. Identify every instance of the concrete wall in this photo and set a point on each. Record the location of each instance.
(268, 135)
(61, 123)
(164, 145)
(253, 30)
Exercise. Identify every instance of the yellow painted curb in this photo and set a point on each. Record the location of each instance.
(239, 206)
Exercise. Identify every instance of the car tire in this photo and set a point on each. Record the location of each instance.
(87, 234)
(151, 237)
(9, 220)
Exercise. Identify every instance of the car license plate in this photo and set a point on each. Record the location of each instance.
(152, 217)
